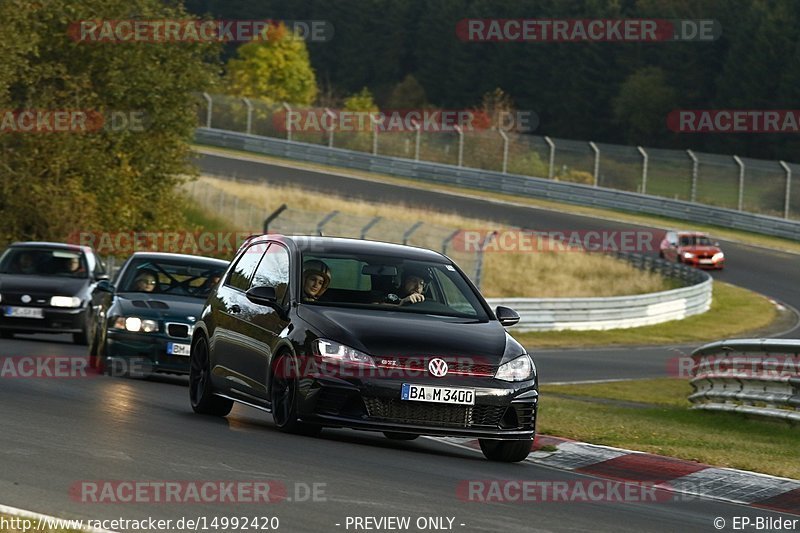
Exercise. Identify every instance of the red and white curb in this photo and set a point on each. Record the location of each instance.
(667, 473)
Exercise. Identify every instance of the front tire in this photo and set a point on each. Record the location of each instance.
(506, 451)
(5, 334)
(201, 393)
(283, 397)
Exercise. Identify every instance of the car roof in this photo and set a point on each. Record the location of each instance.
(693, 233)
(167, 255)
(56, 245)
(343, 245)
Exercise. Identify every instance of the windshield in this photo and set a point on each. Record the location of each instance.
(179, 277)
(388, 284)
(44, 262)
(695, 240)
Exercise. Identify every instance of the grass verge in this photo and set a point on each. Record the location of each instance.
(734, 312)
(720, 232)
(654, 416)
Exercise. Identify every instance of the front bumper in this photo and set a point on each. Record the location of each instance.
(701, 263)
(56, 320)
(501, 410)
(148, 350)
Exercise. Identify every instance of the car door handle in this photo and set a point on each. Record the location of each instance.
(235, 309)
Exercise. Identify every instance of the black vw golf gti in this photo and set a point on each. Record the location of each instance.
(365, 335)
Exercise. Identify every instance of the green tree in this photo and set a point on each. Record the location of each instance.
(112, 178)
(275, 69)
(641, 107)
(408, 94)
(361, 101)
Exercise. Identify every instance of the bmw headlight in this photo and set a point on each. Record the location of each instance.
(65, 301)
(519, 369)
(334, 352)
(688, 255)
(135, 324)
(719, 256)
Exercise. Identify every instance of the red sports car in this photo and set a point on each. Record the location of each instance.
(693, 248)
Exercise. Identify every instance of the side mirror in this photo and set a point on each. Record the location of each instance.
(100, 277)
(263, 296)
(506, 315)
(104, 286)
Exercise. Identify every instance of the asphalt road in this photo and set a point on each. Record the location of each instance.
(59, 434)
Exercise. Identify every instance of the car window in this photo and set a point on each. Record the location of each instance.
(177, 276)
(245, 266)
(273, 271)
(44, 262)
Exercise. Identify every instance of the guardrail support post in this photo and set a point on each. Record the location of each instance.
(460, 144)
(552, 162)
(332, 116)
(505, 150)
(447, 240)
(369, 225)
(249, 127)
(644, 168)
(287, 123)
(695, 163)
(418, 128)
(324, 221)
(596, 163)
(739, 162)
(788, 188)
(209, 107)
(479, 266)
(411, 230)
(275, 214)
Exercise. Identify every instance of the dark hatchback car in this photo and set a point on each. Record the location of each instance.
(48, 287)
(318, 331)
(146, 317)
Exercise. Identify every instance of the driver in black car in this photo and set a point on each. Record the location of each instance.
(411, 289)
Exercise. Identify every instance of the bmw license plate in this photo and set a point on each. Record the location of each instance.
(173, 348)
(23, 312)
(425, 393)
(706, 261)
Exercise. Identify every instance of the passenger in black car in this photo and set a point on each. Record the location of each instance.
(316, 278)
(145, 281)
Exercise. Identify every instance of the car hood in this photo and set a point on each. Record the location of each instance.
(700, 249)
(157, 305)
(397, 333)
(53, 285)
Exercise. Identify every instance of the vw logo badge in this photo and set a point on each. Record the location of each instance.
(25, 299)
(437, 367)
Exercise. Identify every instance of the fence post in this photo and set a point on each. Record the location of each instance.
(324, 221)
(644, 168)
(505, 150)
(209, 106)
(596, 162)
(552, 162)
(375, 123)
(418, 127)
(695, 162)
(741, 181)
(287, 123)
(460, 144)
(411, 230)
(275, 214)
(788, 188)
(249, 114)
(447, 240)
(369, 225)
(479, 266)
(332, 116)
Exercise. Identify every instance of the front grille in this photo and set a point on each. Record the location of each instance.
(455, 365)
(36, 299)
(180, 331)
(429, 414)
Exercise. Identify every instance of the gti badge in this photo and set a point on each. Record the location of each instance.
(437, 367)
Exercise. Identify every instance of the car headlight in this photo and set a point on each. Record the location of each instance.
(334, 352)
(519, 369)
(719, 256)
(65, 301)
(688, 255)
(135, 324)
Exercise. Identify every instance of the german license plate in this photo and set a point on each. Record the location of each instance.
(706, 261)
(23, 312)
(425, 393)
(173, 348)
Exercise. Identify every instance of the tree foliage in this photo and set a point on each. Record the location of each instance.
(115, 178)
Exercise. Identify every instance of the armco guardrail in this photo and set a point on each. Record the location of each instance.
(552, 314)
(752, 376)
(572, 193)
